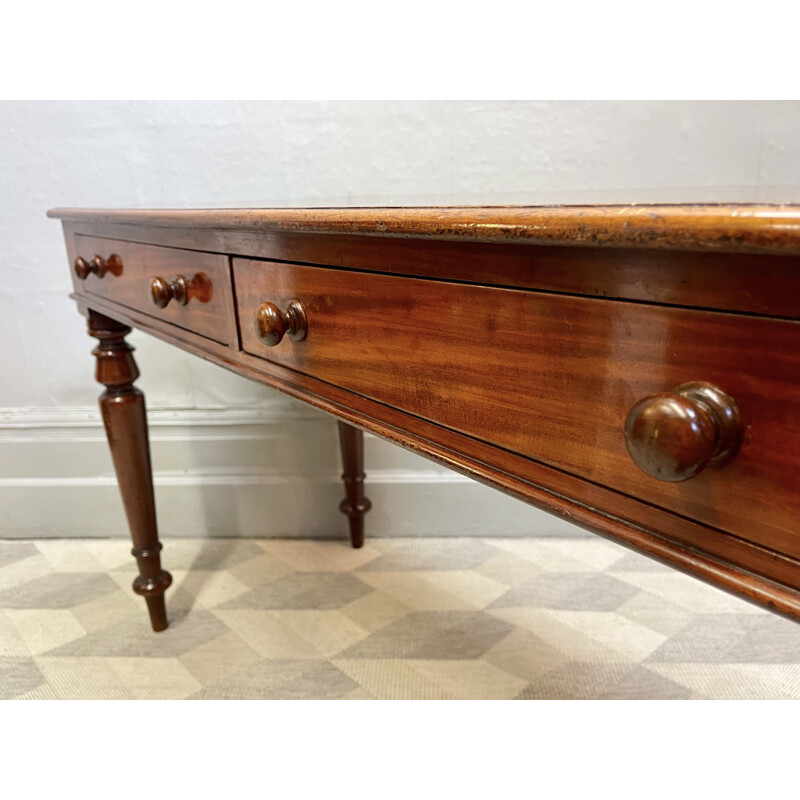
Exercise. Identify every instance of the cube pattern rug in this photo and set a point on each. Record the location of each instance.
(421, 618)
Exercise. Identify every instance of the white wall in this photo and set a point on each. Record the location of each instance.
(54, 470)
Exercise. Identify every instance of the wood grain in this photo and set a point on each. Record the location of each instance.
(553, 378)
(723, 228)
(209, 311)
(714, 280)
(125, 420)
(728, 562)
(511, 343)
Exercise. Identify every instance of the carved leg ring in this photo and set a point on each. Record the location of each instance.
(123, 410)
(355, 505)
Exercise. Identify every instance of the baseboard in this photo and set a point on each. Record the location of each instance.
(269, 471)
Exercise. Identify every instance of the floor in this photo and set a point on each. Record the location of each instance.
(544, 618)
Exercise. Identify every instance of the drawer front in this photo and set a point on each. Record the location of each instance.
(209, 309)
(552, 377)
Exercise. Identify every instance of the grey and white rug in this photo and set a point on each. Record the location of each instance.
(399, 619)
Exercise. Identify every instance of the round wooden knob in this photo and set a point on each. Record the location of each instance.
(272, 324)
(161, 292)
(674, 436)
(97, 266)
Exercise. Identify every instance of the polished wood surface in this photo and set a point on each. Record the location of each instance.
(206, 303)
(697, 279)
(758, 573)
(553, 378)
(355, 504)
(524, 347)
(162, 293)
(722, 227)
(272, 324)
(674, 436)
(98, 266)
(123, 411)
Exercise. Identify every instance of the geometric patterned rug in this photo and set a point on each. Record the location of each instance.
(539, 618)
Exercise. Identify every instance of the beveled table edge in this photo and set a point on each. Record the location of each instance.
(733, 228)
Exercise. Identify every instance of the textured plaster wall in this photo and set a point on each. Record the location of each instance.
(183, 154)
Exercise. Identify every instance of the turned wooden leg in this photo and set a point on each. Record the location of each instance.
(124, 416)
(355, 505)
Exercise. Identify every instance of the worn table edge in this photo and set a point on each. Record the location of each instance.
(753, 228)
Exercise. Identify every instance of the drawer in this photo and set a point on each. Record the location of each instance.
(551, 377)
(208, 309)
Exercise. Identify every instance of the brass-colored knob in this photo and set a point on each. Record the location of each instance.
(161, 292)
(272, 323)
(674, 436)
(98, 266)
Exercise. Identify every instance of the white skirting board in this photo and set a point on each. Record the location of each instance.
(272, 471)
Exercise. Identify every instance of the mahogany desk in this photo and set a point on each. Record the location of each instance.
(634, 369)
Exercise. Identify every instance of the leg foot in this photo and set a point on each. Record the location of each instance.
(157, 609)
(124, 416)
(355, 505)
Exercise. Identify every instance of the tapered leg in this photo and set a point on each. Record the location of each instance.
(355, 505)
(124, 416)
